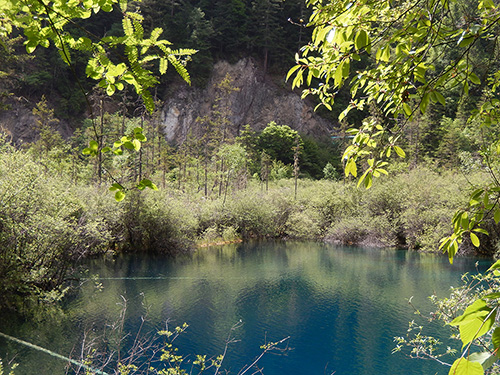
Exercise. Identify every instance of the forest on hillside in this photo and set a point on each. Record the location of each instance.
(271, 31)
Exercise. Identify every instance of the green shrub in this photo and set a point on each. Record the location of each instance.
(303, 223)
(43, 230)
(156, 223)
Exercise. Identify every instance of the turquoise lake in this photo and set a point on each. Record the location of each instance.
(340, 307)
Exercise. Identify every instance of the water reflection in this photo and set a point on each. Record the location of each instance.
(341, 306)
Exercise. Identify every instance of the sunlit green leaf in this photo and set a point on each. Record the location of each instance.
(361, 40)
(115, 187)
(474, 79)
(351, 168)
(496, 216)
(477, 319)
(93, 145)
(407, 109)
(462, 366)
(400, 151)
(495, 337)
(495, 266)
(474, 239)
(119, 195)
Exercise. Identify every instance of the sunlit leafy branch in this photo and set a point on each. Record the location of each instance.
(472, 311)
(394, 40)
(47, 22)
(399, 44)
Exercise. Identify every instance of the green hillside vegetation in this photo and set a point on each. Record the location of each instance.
(254, 185)
(55, 211)
(412, 87)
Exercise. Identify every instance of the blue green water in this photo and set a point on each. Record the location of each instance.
(341, 307)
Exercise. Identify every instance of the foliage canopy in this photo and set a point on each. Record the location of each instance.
(61, 23)
(398, 57)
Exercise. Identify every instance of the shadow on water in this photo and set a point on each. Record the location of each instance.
(340, 306)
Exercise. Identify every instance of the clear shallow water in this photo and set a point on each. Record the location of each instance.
(341, 307)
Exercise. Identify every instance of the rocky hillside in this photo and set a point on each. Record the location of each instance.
(256, 101)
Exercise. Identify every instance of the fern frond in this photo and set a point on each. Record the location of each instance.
(149, 58)
(139, 30)
(183, 52)
(127, 27)
(180, 68)
(132, 53)
(163, 65)
(82, 44)
(149, 102)
(155, 34)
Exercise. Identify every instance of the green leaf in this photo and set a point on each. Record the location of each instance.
(496, 216)
(480, 230)
(424, 102)
(463, 366)
(466, 88)
(338, 78)
(495, 266)
(350, 168)
(495, 295)
(495, 338)
(474, 239)
(65, 55)
(129, 145)
(361, 40)
(31, 46)
(486, 4)
(115, 187)
(346, 68)
(464, 222)
(93, 145)
(485, 359)
(465, 41)
(291, 71)
(368, 180)
(440, 98)
(400, 151)
(474, 79)
(363, 177)
(476, 320)
(110, 90)
(119, 195)
(407, 109)
(148, 183)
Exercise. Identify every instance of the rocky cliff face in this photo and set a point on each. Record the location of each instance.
(257, 101)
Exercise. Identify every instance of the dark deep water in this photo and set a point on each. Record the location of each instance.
(341, 307)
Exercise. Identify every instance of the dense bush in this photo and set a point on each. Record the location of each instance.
(49, 219)
(43, 228)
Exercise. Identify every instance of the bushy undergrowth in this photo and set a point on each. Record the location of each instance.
(49, 220)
